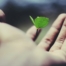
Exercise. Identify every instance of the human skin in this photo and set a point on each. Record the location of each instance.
(18, 48)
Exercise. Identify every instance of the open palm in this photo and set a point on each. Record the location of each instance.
(18, 48)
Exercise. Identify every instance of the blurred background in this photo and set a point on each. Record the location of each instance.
(17, 12)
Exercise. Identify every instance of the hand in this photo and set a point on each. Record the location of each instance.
(18, 49)
(54, 42)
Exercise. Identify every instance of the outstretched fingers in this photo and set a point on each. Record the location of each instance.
(51, 35)
(61, 38)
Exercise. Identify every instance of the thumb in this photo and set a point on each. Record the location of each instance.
(2, 16)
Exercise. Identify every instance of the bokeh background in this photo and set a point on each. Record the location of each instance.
(17, 12)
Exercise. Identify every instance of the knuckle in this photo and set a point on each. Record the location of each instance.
(47, 41)
(60, 40)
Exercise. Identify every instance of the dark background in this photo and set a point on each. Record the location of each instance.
(17, 12)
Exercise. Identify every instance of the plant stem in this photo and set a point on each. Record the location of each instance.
(37, 33)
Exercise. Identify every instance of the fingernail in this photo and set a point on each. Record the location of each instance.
(2, 16)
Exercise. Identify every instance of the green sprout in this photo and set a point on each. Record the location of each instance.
(39, 22)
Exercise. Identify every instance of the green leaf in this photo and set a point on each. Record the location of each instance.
(40, 22)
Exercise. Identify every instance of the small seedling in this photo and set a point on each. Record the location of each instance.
(39, 22)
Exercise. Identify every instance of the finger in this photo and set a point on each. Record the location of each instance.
(2, 16)
(13, 36)
(32, 33)
(64, 44)
(59, 42)
(54, 30)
